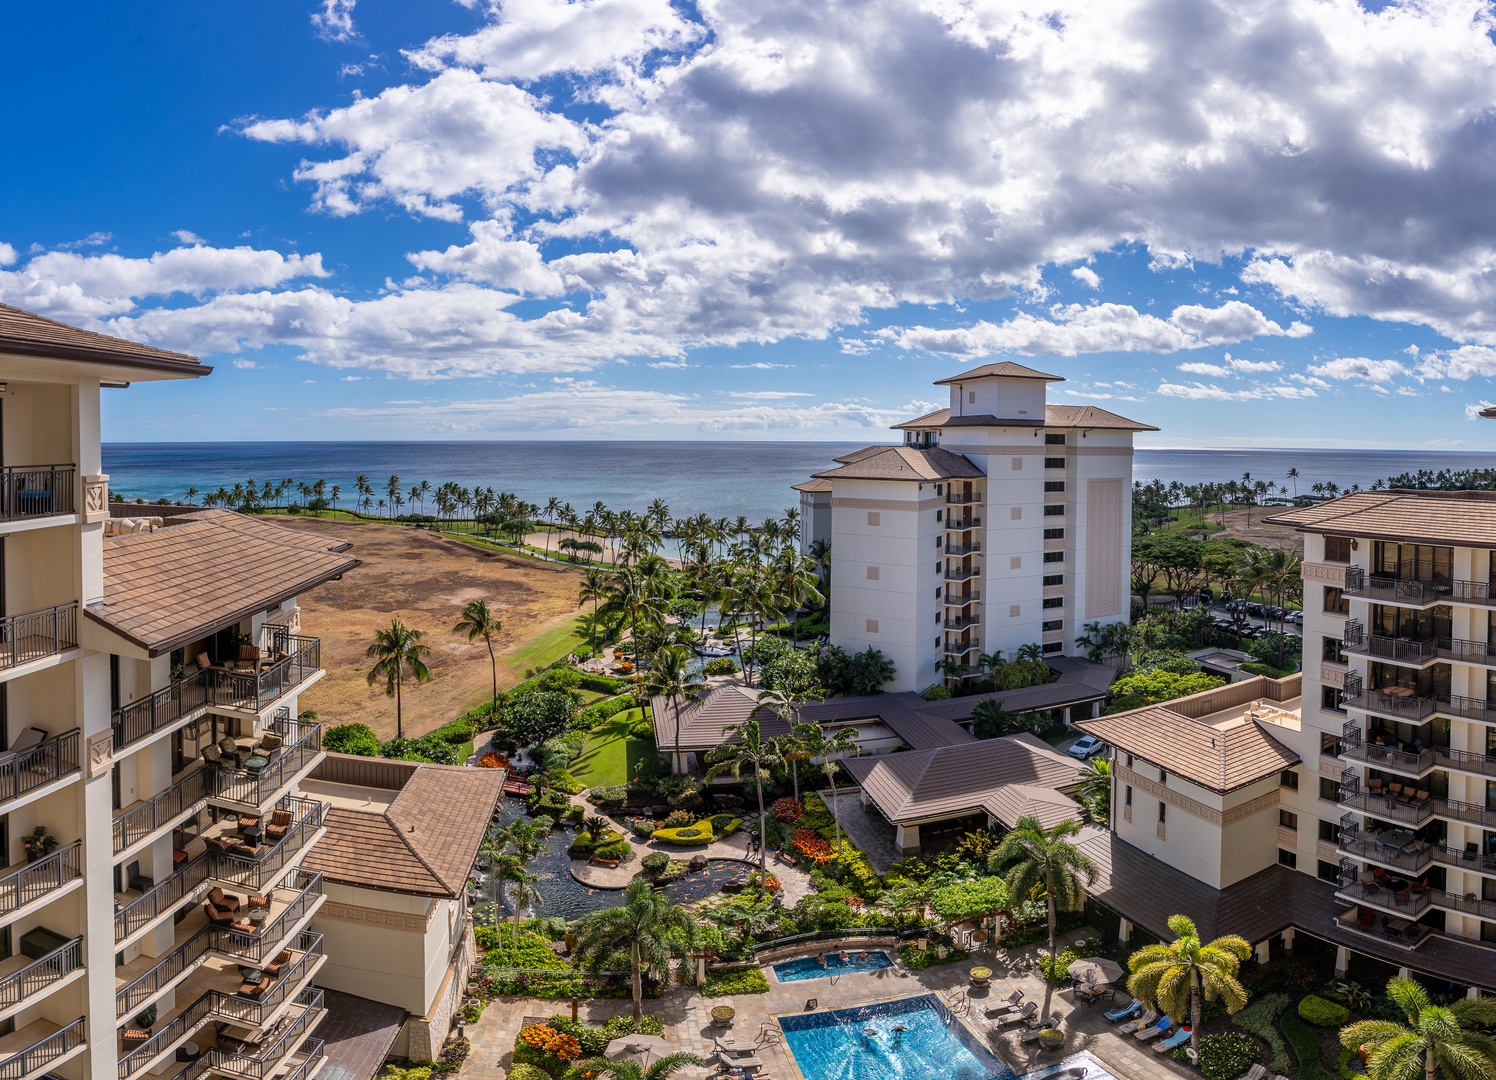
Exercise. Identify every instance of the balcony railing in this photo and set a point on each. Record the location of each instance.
(962, 573)
(1401, 650)
(963, 499)
(34, 491)
(1407, 904)
(257, 874)
(961, 622)
(51, 759)
(1394, 701)
(41, 973)
(1380, 756)
(1470, 813)
(265, 1061)
(303, 743)
(960, 599)
(42, 1053)
(35, 880)
(959, 550)
(1465, 859)
(1465, 761)
(160, 710)
(961, 648)
(135, 824)
(1470, 708)
(34, 635)
(266, 941)
(968, 522)
(1469, 903)
(162, 898)
(1387, 587)
(1404, 935)
(1382, 806)
(1413, 858)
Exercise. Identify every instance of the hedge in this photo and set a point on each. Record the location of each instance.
(1222, 1057)
(748, 980)
(919, 959)
(1322, 1013)
(351, 739)
(971, 899)
(1305, 1043)
(1260, 1018)
(701, 832)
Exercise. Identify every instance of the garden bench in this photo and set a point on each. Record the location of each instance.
(610, 863)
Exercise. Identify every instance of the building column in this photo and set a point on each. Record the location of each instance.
(1288, 940)
(1472, 994)
(906, 839)
(1264, 950)
(1404, 973)
(1124, 931)
(1342, 961)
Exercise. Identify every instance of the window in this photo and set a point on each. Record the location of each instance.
(1127, 797)
(1057, 510)
(939, 490)
(1332, 649)
(1054, 463)
(1329, 832)
(938, 541)
(1054, 485)
(1054, 556)
(938, 512)
(1330, 698)
(1129, 761)
(1054, 601)
(1328, 871)
(1053, 624)
(1337, 549)
(872, 626)
(1329, 790)
(1163, 777)
(1054, 439)
(1289, 778)
(1054, 579)
(1288, 819)
(1054, 646)
(1336, 602)
(1329, 745)
(873, 572)
(1288, 859)
(1054, 534)
(1163, 810)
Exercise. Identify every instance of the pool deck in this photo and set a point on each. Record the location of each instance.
(687, 1019)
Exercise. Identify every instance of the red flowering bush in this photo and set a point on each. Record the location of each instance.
(495, 760)
(811, 846)
(788, 810)
(772, 883)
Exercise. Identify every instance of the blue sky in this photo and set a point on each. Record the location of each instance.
(1266, 224)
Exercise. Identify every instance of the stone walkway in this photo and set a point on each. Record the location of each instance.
(865, 826)
(687, 1019)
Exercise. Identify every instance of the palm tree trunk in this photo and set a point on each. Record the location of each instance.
(1195, 1015)
(493, 665)
(638, 983)
(795, 772)
(515, 936)
(675, 759)
(835, 821)
(498, 908)
(1429, 1067)
(763, 822)
(399, 726)
(1053, 933)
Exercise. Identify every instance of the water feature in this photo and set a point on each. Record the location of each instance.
(809, 967)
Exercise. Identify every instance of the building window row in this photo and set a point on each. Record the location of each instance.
(1054, 439)
(1053, 624)
(1054, 556)
(1057, 510)
(1338, 549)
(1054, 463)
(1054, 534)
(1054, 485)
(1054, 579)
(1054, 601)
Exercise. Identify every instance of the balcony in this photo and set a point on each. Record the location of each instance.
(1388, 589)
(1382, 806)
(1396, 702)
(165, 897)
(28, 1051)
(1400, 932)
(1413, 858)
(1399, 650)
(1469, 813)
(1469, 904)
(1465, 761)
(36, 635)
(255, 787)
(959, 550)
(24, 771)
(37, 880)
(40, 974)
(963, 499)
(37, 491)
(1468, 859)
(256, 874)
(953, 524)
(961, 648)
(1402, 902)
(961, 622)
(961, 599)
(139, 820)
(1470, 708)
(962, 573)
(263, 1061)
(1390, 756)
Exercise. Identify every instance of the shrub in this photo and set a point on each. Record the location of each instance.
(788, 810)
(1222, 1057)
(1260, 1018)
(808, 844)
(601, 684)
(1052, 1038)
(619, 849)
(678, 818)
(563, 781)
(609, 796)
(457, 731)
(431, 748)
(937, 693)
(522, 1071)
(720, 665)
(642, 728)
(642, 827)
(351, 739)
(687, 836)
(724, 824)
(1305, 1043)
(1322, 1013)
(557, 1043)
(655, 863)
(748, 980)
(1156, 685)
(919, 959)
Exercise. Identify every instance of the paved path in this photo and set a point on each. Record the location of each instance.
(865, 826)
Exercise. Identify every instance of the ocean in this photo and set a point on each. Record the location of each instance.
(722, 479)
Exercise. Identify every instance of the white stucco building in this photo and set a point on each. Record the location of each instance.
(1000, 521)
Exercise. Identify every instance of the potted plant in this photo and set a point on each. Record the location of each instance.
(722, 1015)
(38, 843)
(147, 1019)
(1051, 1038)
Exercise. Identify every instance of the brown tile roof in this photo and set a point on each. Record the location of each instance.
(25, 333)
(1004, 369)
(424, 842)
(702, 722)
(929, 420)
(951, 780)
(166, 588)
(1221, 757)
(907, 715)
(1455, 518)
(1089, 416)
(813, 486)
(905, 463)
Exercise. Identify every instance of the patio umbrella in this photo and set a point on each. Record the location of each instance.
(1095, 969)
(643, 1045)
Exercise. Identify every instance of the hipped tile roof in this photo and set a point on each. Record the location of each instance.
(1455, 518)
(1003, 369)
(903, 463)
(1055, 416)
(1219, 757)
(25, 333)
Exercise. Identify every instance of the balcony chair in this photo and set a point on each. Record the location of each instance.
(244, 926)
(223, 901)
(258, 902)
(138, 881)
(248, 851)
(249, 821)
(230, 750)
(1366, 918)
(134, 1036)
(270, 742)
(213, 757)
(1374, 786)
(1470, 852)
(1395, 790)
(254, 990)
(1404, 897)
(1420, 886)
(280, 824)
(221, 843)
(29, 739)
(1423, 796)
(216, 916)
(249, 657)
(1380, 875)
(273, 966)
(203, 661)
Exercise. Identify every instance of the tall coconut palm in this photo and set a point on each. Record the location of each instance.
(1177, 975)
(1096, 788)
(395, 651)
(1034, 855)
(671, 677)
(643, 925)
(501, 863)
(594, 587)
(628, 1069)
(817, 745)
(751, 751)
(524, 892)
(1437, 1041)
(479, 622)
(786, 702)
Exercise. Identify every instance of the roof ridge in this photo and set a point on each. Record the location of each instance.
(388, 816)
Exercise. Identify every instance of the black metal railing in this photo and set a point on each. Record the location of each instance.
(968, 522)
(158, 711)
(963, 498)
(961, 622)
(257, 874)
(1382, 805)
(961, 648)
(34, 635)
(963, 573)
(1408, 937)
(42, 1053)
(23, 771)
(1413, 858)
(266, 940)
(41, 973)
(303, 743)
(1465, 761)
(257, 690)
(162, 898)
(1359, 583)
(1384, 647)
(263, 1062)
(1468, 858)
(963, 549)
(184, 797)
(1406, 903)
(32, 491)
(1394, 701)
(35, 880)
(955, 599)
(1468, 903)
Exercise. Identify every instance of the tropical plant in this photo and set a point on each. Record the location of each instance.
(786, 702)
(647, 924)
(1096, 789)
(1437, 1040)
(479, 622)
(1038, 857)
(750, 751)
(828, 749)
(671, 677)
(395, 651)
(628, 1069)
(1175, 976)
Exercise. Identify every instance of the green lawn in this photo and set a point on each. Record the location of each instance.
(542, 650)
(611, 756)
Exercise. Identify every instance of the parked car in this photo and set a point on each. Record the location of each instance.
(1254, 608)
(1085, 747)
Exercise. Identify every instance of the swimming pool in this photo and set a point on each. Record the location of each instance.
(910, 1038)
(808, 967)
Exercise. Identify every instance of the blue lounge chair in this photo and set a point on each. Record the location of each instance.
(1161, 1026)
(1128, 1010)
(1179, 1038)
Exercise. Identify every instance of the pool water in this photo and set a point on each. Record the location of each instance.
(866, 1043)
(808, 967)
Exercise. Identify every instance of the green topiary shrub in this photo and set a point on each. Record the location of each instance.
(619, 849)
(522, 1071)
(749, 980)
(688, 836)
(642, 729)
(351, 739)
(655, 863)
(1321, 1013)
(1222, 1057)
(720, 665)
(608, 796)
(1260, 1019)
(937, 693)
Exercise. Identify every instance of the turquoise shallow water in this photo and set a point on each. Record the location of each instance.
(808, 967)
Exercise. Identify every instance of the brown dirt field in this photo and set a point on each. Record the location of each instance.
(1278, 536)
(425, 579)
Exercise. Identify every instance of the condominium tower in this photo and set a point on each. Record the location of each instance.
(1001, 521)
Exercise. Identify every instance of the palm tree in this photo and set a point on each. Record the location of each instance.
(829, 749)
(628, 1069)
(594, 587)
(643, 925)
(191, 494)
(478, 622)
(1096, 789)
(524, 892)
(671, 677)
(1177, 975)
(989, 720)
(1436, 1041)
(1293, 474)
(786, 702)
(1040, 856)
(396, 651)
(753, 751)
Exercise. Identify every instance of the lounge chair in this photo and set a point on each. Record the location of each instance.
(1032, 1034)
(1019, 1016)
(1005, 1008)
(229, 748)
(1148, 1017)
(280, 824)
(1174, 1041)
(222, 900)
(217, 917)
(273, 966)
(1161, 1026)
(1256, 1072)
(270, 741)
(29, 739)
(1132, 1008)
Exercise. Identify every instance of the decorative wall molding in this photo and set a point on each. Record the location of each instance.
(1334, 768)
(96, 497)
(889, 504)
(1288, 838)
(1332, 674)
(1326, 851)
(100, 753)
(389, 920)
(1325, 573)
(1127, 813)
(1256, 806)
(1168, 795)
